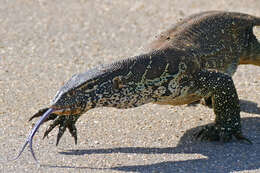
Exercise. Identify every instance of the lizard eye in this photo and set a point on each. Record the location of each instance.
(117, 83)
(90, 86)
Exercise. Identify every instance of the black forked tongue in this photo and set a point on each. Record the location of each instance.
(29, 139)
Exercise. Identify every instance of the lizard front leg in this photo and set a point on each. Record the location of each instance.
(225, 104)
(63, 121)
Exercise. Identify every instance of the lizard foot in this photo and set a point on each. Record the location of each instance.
(64, 122)
(214, 133)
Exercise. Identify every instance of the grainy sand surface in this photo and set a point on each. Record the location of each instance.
(44, 42)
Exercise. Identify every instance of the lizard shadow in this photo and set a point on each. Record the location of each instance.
(249, 107)
(217, 157)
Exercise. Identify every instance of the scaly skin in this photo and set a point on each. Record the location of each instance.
(193, 60)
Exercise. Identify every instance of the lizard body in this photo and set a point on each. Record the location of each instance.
(195, 59)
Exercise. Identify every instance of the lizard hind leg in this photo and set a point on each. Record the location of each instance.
(226, 107)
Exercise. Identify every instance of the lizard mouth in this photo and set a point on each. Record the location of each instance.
(66, 110)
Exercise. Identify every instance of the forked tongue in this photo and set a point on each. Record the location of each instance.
(29, 139)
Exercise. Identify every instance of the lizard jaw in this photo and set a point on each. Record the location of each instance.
(66, 111)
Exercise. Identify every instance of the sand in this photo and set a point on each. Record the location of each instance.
(43, 43)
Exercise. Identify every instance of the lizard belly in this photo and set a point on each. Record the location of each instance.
(181, 100)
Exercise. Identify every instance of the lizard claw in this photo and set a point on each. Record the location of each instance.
(64, 122)
(52, 116)
(47, 114)
(212, 133)
(207, 133)
(240, 137)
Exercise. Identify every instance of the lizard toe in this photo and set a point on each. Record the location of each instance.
(64, 122)
(215, 133)
(240, 137)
